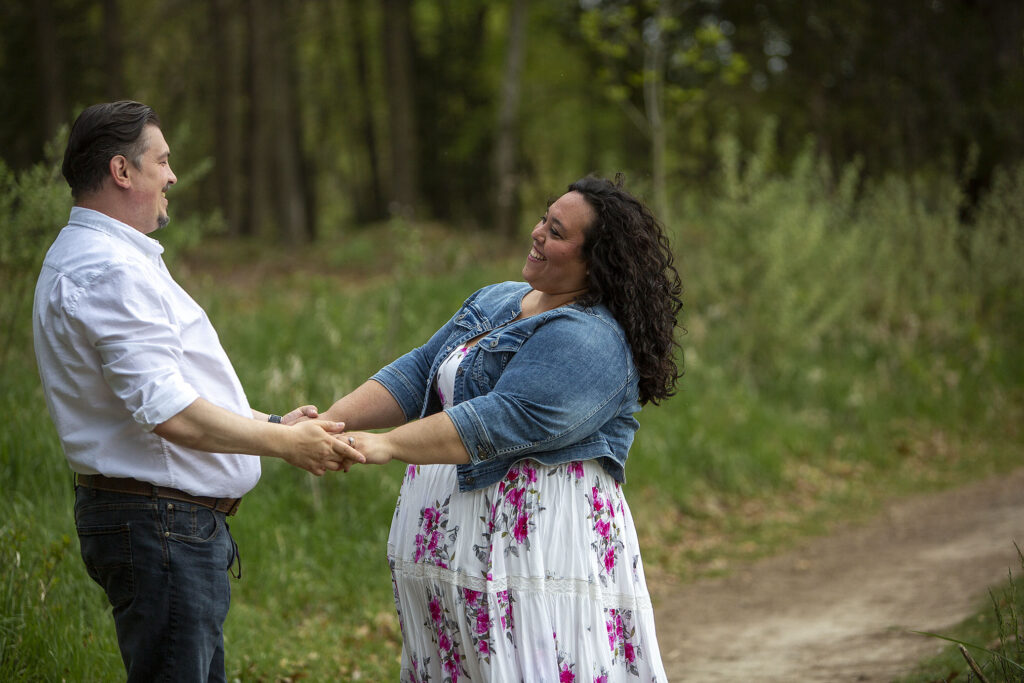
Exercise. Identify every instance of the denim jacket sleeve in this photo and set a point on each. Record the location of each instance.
(566, 381)
(407, 377)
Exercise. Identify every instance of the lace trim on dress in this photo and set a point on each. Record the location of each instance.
(549, 585)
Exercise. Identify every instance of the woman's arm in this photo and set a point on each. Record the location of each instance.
(370, 406)
(432, 440)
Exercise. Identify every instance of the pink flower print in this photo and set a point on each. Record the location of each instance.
(435, 610)
(444, 642)
(483, 623)
(575, 468)
(598, 503)
(603, 678)
(515, 498)
(410, 472)
(513, 473)
(531, 473)
(520, 530)
(483, 648)
(566, 676)
(603, 528)
(471, 595)
(630, 654)
(609, 560)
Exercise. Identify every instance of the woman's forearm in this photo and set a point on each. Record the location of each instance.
(370, 406)
(430, 441)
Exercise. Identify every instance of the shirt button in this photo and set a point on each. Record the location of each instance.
(170, 506)
(167, 533)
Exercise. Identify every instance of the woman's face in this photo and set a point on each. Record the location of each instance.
(555, 263)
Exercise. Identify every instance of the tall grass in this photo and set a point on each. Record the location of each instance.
(846, 339)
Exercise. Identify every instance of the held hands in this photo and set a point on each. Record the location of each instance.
(347, 448)
(314, 446)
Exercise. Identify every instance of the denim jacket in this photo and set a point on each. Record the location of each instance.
(555, 387)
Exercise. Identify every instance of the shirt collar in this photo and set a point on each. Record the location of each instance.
(88, 218)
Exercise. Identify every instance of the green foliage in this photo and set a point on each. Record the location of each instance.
(1002, 624)
(33, 205)
(832, 348)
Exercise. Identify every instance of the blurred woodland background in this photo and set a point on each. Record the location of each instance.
(322, 112)
(842, 181)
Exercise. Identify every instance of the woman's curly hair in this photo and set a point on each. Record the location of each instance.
(631, 271)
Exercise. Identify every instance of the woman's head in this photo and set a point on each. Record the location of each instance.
(555, 264)
(628, 265)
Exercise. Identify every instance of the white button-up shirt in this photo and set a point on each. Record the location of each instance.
(121, 348)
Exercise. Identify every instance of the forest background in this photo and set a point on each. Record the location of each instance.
(843, 182)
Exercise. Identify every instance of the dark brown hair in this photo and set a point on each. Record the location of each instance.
(100, 133)
(631, 271)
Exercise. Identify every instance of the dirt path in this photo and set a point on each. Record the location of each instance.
(839, 608)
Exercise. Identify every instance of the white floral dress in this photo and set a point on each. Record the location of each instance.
(535, 578)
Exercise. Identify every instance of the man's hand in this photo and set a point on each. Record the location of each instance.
(313, 446)
(300, 414)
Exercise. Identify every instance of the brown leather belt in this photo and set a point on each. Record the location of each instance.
(140, 488)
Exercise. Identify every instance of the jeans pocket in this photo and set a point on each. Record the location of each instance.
(107, 553)
(192, 523)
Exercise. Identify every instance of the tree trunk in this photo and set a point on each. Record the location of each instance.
(51, 75)
(371, 208)
(397, 41)
(277, 198)
(113, 50)
(229, 123)
(654, 74)
(506, 157)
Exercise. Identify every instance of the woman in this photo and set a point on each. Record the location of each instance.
(512, 550)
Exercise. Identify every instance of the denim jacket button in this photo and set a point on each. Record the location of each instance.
(494, 342)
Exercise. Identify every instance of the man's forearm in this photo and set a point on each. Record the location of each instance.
(207, 427)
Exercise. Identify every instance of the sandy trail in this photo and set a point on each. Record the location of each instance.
(840, 608)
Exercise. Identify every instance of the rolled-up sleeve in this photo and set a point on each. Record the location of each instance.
(407, 377)
(138, 340)
(566, 381)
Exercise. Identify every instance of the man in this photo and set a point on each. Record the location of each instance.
(150, 413)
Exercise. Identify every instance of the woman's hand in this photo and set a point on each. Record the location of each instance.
(374, 447)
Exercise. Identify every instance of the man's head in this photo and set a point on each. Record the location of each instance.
(117, 162)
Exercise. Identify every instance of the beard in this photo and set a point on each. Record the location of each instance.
(162, 220)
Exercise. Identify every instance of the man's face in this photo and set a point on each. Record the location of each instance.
(150, 181)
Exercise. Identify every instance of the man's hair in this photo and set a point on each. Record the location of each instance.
(100, 133)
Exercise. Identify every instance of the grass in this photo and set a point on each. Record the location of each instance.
(876, 380)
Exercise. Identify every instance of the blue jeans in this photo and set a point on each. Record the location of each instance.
(164, 566)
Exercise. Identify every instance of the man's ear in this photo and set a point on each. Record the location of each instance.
(119, 171)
